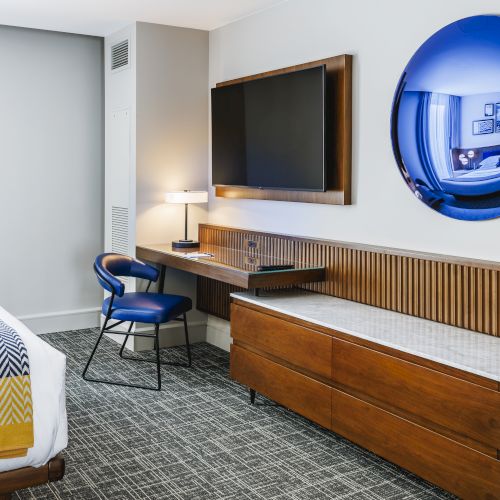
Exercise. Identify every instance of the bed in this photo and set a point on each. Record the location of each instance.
(42, 462)
(483, 179)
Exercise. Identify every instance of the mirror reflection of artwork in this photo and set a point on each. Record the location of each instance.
(447, 151)
(480, 127)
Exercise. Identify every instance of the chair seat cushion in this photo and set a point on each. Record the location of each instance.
(148, 307)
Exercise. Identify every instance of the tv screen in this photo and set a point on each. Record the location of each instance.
(270, 133)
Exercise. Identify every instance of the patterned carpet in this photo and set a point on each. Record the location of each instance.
(199, 438)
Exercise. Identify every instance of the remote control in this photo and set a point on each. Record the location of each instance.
(282, 267)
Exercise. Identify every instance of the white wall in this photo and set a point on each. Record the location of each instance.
(472, 108)
(172, 128)
(51, 164)
(171, 146)
(382, 36)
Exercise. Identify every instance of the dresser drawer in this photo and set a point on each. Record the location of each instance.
(461, 407)
(299, 346)
(300, 393)
(456, 468)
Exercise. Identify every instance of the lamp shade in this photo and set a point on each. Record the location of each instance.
(186, 197)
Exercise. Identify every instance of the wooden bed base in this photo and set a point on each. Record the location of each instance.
(26, 477)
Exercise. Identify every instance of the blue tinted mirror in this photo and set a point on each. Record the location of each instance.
(446, 120)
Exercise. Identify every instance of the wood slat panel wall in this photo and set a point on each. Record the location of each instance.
(451, 290)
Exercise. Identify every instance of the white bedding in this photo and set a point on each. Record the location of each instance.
(47, 370)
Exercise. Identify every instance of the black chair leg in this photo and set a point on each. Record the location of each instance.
(124, 384)
(188, 346)
(156, 347)
(157, 344)
(252, 396)
(126, 338)
(95, 348)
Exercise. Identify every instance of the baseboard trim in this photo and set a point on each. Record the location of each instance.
(218, 333)
(172, 324)
(59, 321)
(215, 331)
(197, 333)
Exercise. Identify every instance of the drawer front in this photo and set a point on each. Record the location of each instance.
(302, 394)
(461, 407)
(299, 346)
(456, 468)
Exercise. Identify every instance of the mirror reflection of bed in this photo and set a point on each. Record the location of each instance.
(475, 171)
(446, 120)
(450, 166)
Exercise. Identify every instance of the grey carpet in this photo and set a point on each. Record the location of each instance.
(199, 438)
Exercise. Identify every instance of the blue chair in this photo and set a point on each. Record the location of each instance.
(143, 307)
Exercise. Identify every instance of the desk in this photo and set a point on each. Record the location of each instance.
(231, 266)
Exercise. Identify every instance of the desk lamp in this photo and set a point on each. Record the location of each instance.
(186, 197)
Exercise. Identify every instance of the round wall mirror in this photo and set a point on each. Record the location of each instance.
(446, 120)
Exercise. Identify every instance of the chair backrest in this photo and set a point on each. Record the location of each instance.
(108, 266)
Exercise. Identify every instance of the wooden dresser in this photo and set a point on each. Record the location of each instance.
(423, 395)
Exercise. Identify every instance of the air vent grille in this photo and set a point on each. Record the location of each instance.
(119, 232)
(119, 55)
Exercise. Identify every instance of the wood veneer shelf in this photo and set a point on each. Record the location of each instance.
(339, 132)
(231, 266)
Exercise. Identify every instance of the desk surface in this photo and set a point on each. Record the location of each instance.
(232, 266)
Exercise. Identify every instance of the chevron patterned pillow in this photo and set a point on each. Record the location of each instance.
(16, 408)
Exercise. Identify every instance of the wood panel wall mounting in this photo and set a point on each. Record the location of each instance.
(451, 290)
(339, 137)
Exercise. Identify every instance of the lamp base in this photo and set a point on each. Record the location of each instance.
(185, 244)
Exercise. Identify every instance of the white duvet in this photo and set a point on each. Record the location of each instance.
(47, 370)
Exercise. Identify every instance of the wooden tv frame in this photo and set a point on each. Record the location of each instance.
(339, 102)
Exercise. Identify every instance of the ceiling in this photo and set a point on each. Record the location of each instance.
(102, 17)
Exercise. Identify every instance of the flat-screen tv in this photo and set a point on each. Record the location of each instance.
(270, 133)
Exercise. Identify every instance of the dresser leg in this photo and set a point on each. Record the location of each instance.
(252, 396)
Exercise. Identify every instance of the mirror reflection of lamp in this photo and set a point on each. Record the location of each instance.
(470, 155)
(463, 160)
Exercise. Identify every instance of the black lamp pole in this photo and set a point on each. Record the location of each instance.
(186, 222)
(186, 243)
